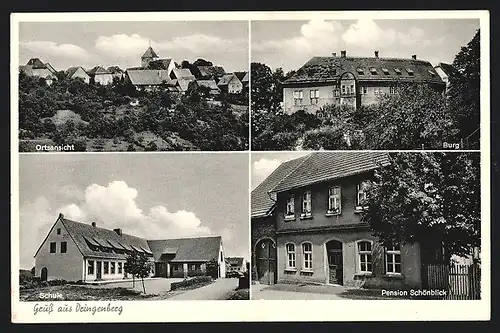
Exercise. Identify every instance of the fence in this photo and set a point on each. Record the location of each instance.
(461, 282)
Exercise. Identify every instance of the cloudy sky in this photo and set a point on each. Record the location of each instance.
(65, 44)
(265, 163)
(149, 195)
(289, 44)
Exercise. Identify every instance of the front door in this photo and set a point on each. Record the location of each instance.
(43, 274)
(266, 261)
(335, 262)
(98, 270)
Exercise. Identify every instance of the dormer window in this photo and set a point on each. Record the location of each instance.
(334, 200)
(306, 205)
(373, 70)
(386, 71)
(410, 72)
(398, 71)
(290, 208)
(361, 71)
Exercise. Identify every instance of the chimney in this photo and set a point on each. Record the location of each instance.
(61, 215)
(93, 224)
(343, 54)
(334, 54)
(414, 56)
(118, 231)
(376, 54)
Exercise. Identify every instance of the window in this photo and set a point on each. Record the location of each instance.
(334, 204)
(90, 267)
(351, 91)
(112, 267)
(393, 260)
(298, 95)
(373, 70)
(58, 231)
(362, 89)
(193, 267)
(290, 255)
(410, 72)
(176, 267)
(365, 256)
(306, 204)
(386, 71)
(361, 195)
(120, 268)
(106, 267)
(290, 207)
(392, 90)
(53, 247)
(343, 89)
(64, 246)
(398, 71)
(314, 96)
(361, 71)
(307, 256)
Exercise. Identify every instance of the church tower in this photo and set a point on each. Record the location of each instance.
(148, 56)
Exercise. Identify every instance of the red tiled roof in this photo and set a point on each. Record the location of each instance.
(329, 69)
(260, 201)
(322, 166)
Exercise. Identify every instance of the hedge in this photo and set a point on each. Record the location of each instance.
(190, 282)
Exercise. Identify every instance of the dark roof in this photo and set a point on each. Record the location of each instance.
(329, 69)
(183, 83)
(72, 70)
(83, 232)
(187, 249)
(447, 68)
(98, 70)
(210, 84)
(260, 201)
(183, 73)
(150, 53)
(224, 81)
(211, 71)
(242, 76)
(50, 68)
(36, 63)
(235, 261)
(148, 77)
(324, 166)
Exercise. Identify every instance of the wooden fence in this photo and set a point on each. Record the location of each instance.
(461, 282)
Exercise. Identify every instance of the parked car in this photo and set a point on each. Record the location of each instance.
(234, 274)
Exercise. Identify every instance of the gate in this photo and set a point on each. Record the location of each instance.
(461, 282)
(266, 261)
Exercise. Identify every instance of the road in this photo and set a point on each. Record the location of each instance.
(218, 290)
(263, 292)
(155, 286)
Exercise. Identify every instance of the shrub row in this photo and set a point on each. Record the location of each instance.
(190, 282)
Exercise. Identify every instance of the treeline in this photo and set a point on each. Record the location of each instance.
(205, 126)
(417, 117)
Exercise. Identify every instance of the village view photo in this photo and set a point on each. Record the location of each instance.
(133, 86)
(365, 84)
(116, 227)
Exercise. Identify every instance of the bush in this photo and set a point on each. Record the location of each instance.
(57, 282)
(190, 282)
(324, 138)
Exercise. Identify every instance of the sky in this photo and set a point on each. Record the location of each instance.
(264, 163)
(87, 44)
(290, 44)
(148, 195)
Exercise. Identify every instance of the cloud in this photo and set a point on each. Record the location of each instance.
(111, 206)
(51, 49)
(366, 33)
(264, 166)
(125, 46)
(316, 37)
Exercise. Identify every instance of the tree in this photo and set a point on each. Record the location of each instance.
(464, 91)
(139, 266)
(213, 268)
(202, 62)
(430, 198)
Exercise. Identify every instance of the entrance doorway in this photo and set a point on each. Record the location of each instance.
(98, 270)
(43, 274)
(335, 262)
(266, 261)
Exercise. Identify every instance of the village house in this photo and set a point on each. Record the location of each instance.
(230, 84)
(77, 72)
(210, 85)
(100, 75)
(244, 77)
(353, 81)
(306, 227)
(150, 79)
(117, 72)
(35, 67)
(76, 251)
(236, 264)
(211, 72)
